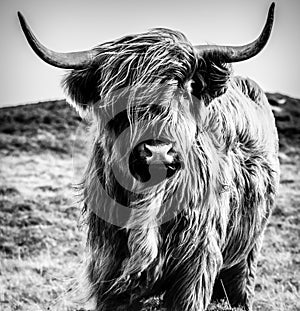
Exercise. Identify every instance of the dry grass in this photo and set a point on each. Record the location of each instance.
(40, 240)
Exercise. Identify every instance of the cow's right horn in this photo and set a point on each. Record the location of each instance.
(71, 60)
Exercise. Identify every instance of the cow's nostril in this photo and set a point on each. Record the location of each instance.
(145, 151)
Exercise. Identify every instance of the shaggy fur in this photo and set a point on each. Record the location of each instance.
(190, 236)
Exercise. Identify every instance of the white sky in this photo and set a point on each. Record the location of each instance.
(70, 25)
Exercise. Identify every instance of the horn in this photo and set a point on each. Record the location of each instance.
(71, 60)
(231, 54)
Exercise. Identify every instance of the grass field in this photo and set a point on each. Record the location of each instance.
(41, 241)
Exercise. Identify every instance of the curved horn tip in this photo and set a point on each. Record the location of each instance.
(20, 15)
(21, 19)
(271, 10)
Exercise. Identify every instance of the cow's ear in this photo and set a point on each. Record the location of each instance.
(210, 80)
(81, 88)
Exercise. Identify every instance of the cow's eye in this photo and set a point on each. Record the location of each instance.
(186, 95)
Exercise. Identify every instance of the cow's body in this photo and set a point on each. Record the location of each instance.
(211, 246)
(183, 171)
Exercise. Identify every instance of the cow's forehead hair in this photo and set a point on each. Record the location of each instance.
(149, 60)
(139, 42)
(157, 56)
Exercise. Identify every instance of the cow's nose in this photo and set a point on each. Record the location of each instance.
(157, 154)
(153, 161)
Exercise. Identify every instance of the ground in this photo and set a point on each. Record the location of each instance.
(41, 239)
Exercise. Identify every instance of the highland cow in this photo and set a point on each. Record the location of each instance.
(183, 169)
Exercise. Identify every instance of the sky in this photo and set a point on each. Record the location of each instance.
(72, 25)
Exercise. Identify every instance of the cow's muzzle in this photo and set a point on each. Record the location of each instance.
(153, 161)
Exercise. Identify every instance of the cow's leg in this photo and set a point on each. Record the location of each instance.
(237, 283)
(190, 286)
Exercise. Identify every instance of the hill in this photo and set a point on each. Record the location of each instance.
(42, 154)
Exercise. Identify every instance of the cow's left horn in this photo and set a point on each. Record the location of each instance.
(231, 54)
(72, 60)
